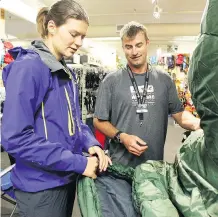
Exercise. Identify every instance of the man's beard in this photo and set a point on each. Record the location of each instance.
(138, 65)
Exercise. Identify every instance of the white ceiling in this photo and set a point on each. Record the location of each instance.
(112, 12)
(179, 22)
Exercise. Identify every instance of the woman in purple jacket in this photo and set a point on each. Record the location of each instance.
(41, 126)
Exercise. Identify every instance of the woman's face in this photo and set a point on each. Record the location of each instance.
(68, 38)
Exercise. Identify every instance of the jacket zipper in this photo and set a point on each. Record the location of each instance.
(44, 121)
(74, 91)
(71, 124)
(77, 121)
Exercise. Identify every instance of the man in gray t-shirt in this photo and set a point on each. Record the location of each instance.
(117, 103)
(118, 114)
(134, 114)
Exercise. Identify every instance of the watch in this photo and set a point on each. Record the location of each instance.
(117, 137)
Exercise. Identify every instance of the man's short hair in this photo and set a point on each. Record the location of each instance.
(131, 29)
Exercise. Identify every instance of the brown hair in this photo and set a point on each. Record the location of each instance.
(131, 29)
(60, 12)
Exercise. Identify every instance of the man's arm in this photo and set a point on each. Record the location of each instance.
(105, 127)
(103, 109)
(184, 118)
(187, 121)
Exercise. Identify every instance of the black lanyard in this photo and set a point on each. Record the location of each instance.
(140, 99)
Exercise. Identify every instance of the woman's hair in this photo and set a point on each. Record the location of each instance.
(60, 12)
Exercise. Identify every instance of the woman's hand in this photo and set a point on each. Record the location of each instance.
(104, 160)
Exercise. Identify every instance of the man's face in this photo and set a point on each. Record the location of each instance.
(135, 50)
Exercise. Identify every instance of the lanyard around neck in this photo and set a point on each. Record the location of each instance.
(140, 99)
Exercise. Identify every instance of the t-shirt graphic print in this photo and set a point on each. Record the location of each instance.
(150, 97)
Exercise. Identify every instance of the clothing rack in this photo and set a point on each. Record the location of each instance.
(88, 79)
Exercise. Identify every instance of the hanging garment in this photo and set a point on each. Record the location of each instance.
(171, 62)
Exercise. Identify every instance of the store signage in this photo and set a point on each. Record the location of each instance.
(94, 61)
(91, 60)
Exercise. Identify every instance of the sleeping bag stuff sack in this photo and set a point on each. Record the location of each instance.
(189, 187)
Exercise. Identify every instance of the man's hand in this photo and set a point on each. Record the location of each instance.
(196, 124)
(104, 160)
(187, 120)
(133, 144)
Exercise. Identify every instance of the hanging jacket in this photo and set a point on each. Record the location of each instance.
(41, 125)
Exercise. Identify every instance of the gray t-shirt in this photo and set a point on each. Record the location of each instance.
(116, 102)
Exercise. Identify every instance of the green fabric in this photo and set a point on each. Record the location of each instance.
(180, 189)
(203, 82)
(88, 199)
(122, 172)
(150, 190)
(161, 189)
(198, 175)
(203, 79)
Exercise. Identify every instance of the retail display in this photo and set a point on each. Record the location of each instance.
(177, 65)
(79, 73)
(93, 78)
(88, 78)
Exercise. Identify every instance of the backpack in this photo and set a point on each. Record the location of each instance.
(179, 59)
(171, 62)
(153, 60)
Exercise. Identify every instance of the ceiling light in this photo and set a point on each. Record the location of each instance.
(157, 11)
(156, 15)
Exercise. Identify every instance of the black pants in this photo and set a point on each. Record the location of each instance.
(56, 202)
